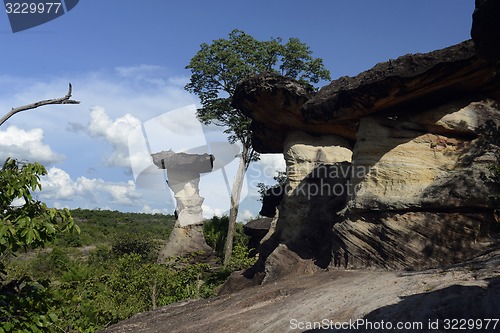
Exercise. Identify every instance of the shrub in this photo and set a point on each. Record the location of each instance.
(146, 248)
(25, 304)
(215, 232)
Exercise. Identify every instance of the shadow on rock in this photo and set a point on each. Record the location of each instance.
(465, 308)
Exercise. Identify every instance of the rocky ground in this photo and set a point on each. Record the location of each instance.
(295, 304)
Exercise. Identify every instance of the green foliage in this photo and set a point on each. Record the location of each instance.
(26, 305)
(215, 232)
(24, 221)
(240, 258)
(104, 226)
(85, 281)
(107, 281)
(218, 67)
(130, 286)
(280, 179)
(146, 248)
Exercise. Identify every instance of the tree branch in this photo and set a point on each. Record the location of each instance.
(63, 100)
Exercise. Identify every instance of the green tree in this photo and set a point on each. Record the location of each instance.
(280, 179)
(26, 223)
(216, 70)
(215, 232)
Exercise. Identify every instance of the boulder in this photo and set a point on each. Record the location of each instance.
(257, 230)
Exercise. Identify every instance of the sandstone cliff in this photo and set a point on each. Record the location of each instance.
(389, 168)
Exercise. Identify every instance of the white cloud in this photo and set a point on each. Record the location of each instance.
(143, 91)
(58, 185)
(209, 212)
(271, 164)
(26, 145)
(246, 215)
(140, 71)
(149, 210)
(113, 101)
(114, 132)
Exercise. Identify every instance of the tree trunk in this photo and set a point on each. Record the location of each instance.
(235, 202)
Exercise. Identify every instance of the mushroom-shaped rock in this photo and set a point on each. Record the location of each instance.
(183, 172)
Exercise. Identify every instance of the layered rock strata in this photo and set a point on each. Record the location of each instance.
(183, 172)
(424, 130)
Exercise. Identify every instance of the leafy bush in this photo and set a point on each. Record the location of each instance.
(146, 248)
(25, 304)
(215, 232)
(241, 258)
(112, 278)
(31, 224)
(69, 240)
(132, 285)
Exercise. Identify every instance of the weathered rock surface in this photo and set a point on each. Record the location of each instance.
(405, 183)
(307, 159)
(486, 29)
(470, 290)
(439, 159)
(183, 172)
(412, 240)
(425, 130)
(308, 203)
(184, 242)
(423, 199)
(257, 230)
(278, 105)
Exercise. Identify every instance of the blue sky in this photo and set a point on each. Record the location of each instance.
(126, 59)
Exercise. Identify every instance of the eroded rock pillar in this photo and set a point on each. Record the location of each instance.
(308, 159)
(183, 172)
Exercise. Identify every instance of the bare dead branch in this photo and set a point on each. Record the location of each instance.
(63, 100)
